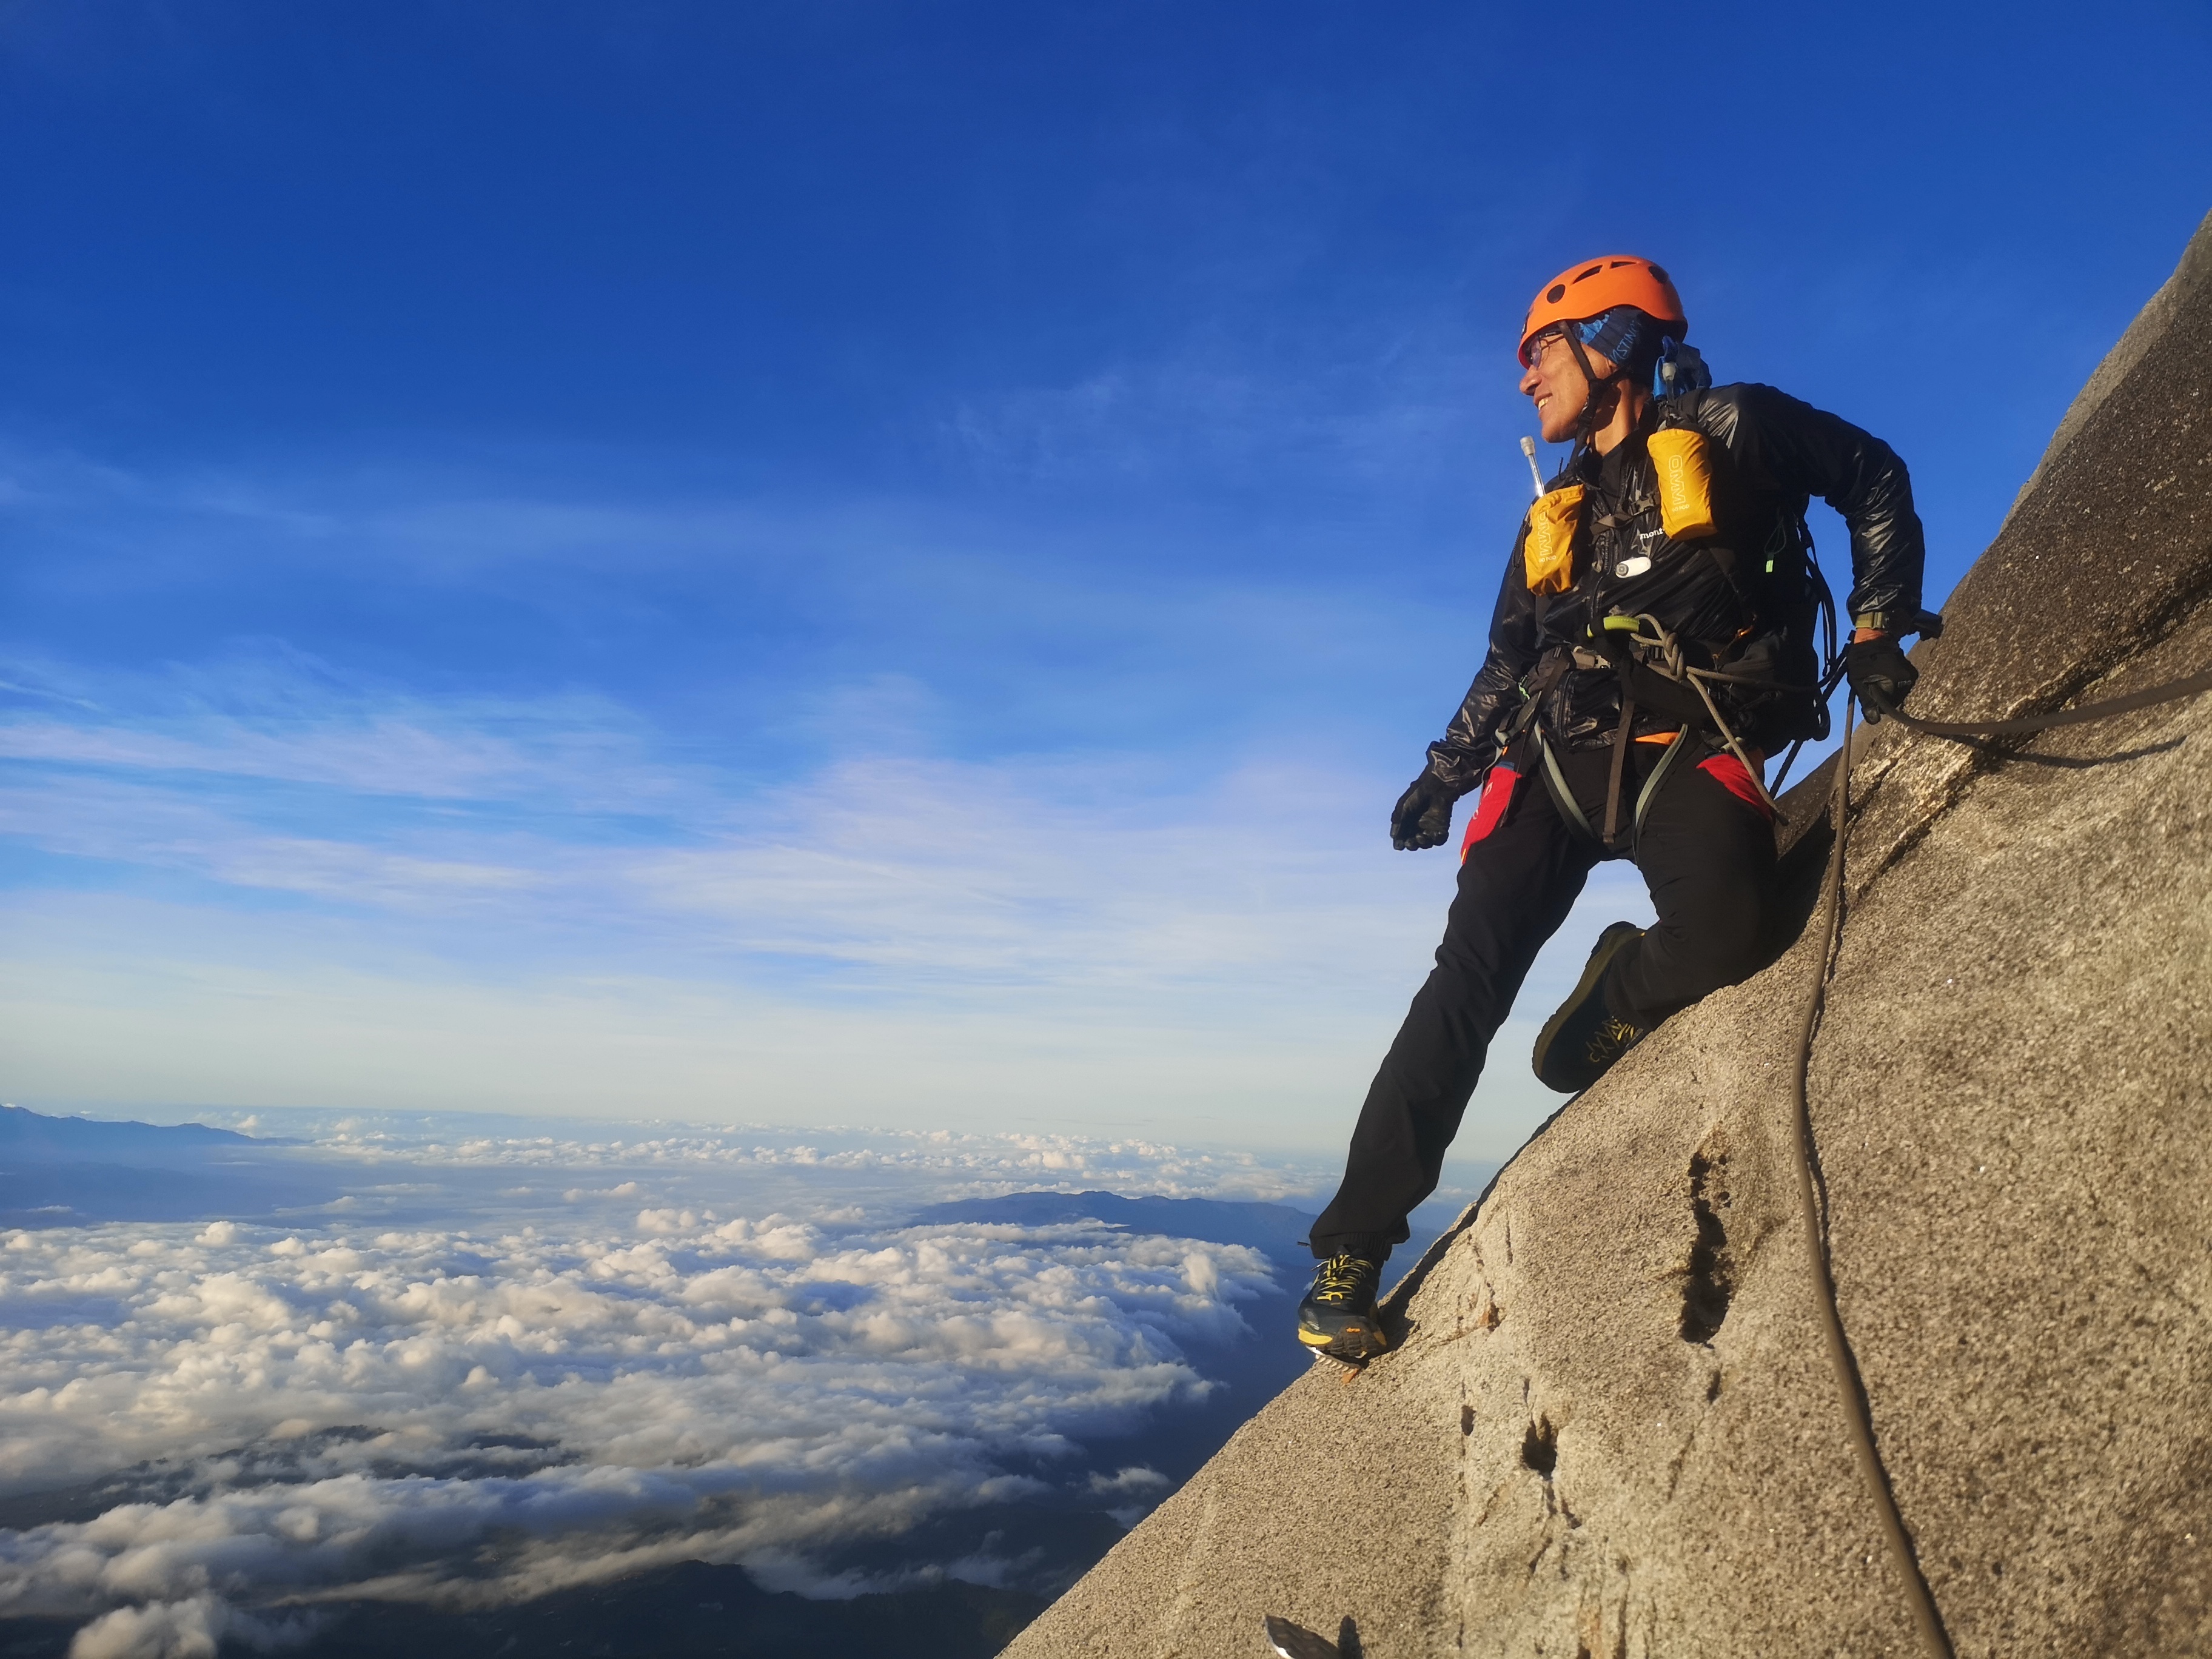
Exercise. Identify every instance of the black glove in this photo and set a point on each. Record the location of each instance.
(1880, 674)
(1423, 815)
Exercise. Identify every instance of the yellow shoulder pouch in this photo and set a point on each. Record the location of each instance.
(1549, 549)
(1686, 482)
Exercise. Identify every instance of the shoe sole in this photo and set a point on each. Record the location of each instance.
(1355, 1344)
(1621, 935)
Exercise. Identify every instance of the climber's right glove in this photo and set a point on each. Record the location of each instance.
(1423, 815)
(1880, 674)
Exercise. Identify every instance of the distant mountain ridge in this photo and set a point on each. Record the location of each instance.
(27, 1136)
(80, 1171)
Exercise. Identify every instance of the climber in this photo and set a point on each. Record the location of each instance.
(1654, 640)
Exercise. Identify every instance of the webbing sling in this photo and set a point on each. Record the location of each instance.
(1561, 795)
(1620, 741)
(1651, 784)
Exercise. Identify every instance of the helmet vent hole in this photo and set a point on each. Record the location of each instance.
(1558, 292)
(1591, 272)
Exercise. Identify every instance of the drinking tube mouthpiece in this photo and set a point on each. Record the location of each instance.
(1528, 449)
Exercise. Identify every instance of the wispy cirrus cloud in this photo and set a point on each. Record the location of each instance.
(594, 901)
(272, 715)
(1050, 870)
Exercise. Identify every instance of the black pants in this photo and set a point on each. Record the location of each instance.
(1708, 855)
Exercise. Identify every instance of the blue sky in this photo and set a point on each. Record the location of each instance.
(884, 563)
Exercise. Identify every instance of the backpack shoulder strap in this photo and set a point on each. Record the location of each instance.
(1680, 410)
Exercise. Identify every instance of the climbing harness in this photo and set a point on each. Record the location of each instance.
(1562, 796)
(1648, 657)
(1928, 1622)
(1670, 666)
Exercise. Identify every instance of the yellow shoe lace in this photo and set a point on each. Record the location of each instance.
(1339, 1278)
(1611, 1041)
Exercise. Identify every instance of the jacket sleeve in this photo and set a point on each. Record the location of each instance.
(1778, 444)
(1463, 756)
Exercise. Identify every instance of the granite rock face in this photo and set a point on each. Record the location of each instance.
(1608, 1431)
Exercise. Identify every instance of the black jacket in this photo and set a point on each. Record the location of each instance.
(1743, 599)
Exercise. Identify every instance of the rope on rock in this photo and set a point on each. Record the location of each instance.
(2171, 691)
(1928, 1622)
(1934, 1640)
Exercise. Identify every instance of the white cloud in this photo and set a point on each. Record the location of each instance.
(1129, 1482)
(477, 1416)
(1138, 1489)
(949, 1162)
(194, 1628)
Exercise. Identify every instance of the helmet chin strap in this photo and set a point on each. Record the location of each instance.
(1586, 422)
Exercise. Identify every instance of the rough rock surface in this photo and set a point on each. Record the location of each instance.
(1608, 1430)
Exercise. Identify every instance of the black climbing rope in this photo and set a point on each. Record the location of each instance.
(2170, 692)
(1928, 1622)
(1934, 1640)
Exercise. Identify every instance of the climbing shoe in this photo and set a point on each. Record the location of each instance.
(1337, 1315)
(1579, 1044)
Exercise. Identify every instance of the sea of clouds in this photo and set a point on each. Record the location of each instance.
(503, 1363)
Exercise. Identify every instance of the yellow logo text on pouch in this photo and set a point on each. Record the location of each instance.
(1686, 484)
(1549, 549)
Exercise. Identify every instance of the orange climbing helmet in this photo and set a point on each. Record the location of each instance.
(1585, 290)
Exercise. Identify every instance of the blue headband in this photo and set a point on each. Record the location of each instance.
(1620, 335)
(1615, 334)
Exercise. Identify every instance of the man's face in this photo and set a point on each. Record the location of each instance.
(1554, 382)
